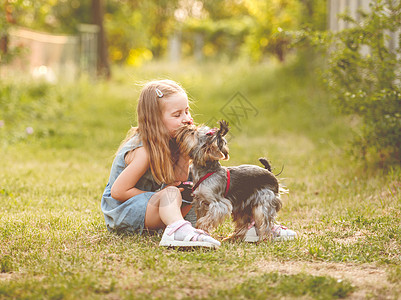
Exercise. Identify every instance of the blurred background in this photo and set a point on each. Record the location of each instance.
(278, 60)
(65, 38)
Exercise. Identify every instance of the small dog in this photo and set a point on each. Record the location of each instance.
(247, 192)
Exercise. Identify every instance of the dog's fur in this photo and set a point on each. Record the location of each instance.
(254, 192)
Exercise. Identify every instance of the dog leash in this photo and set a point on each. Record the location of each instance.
(211, 173)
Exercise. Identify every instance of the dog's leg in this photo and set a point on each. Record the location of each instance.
(211, 212)
(241, 228)
(265, 212)
(262, 221)
(241, 219)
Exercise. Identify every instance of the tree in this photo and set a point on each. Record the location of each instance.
(103, 57)
(6, 21)
(139, 29)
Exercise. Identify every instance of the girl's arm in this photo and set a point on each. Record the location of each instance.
(181, 168)
(124, 186)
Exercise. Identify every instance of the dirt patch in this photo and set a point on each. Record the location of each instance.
(6, 276)
(358, 236)
(368, 279)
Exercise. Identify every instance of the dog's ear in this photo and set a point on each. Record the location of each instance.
(224, 128)
(221, 142)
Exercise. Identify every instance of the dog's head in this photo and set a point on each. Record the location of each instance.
(203, 144)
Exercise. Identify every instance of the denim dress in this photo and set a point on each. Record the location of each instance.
(129, 216)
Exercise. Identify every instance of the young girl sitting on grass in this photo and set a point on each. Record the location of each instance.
(142, 190)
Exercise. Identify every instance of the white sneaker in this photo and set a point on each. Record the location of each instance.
(194, 238)
(280, 233)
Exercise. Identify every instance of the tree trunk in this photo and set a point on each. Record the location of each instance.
(4, 44)
(103, 67)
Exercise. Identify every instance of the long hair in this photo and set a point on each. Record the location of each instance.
(163, 151)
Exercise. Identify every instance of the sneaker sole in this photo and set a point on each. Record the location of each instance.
(186, 244)
(284, 238)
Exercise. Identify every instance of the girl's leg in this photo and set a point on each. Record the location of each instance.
(164, 208)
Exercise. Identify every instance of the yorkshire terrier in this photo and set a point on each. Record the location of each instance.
(248, 193)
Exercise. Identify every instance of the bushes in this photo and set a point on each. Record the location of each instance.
(363, 76)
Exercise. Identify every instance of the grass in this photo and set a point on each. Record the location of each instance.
(54, 244)
(276, 286)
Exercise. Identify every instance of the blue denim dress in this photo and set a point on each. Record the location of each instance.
(129, 215)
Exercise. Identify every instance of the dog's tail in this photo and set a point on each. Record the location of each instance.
(267, 165)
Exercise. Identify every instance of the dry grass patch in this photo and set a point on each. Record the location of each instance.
(368, 279)
(356, 237)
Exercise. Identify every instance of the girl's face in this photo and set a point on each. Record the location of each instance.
(175, 111)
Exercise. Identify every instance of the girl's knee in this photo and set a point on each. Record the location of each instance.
(171, 194)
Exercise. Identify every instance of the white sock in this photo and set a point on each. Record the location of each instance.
(184, 229)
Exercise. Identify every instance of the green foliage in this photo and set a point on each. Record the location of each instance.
(51, 15)
(138, 31)
(270, 19)
(254, 29)
(314, 14)
(223, 38)
(365, 78)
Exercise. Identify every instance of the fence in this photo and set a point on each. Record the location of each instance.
(54, 57)
(336, 7)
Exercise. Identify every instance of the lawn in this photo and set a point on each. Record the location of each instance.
(57, 144)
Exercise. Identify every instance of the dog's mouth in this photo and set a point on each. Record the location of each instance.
(226, 155)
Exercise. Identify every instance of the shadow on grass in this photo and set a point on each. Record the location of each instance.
(275, 285)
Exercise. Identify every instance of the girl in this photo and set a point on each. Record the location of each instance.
(142, 189)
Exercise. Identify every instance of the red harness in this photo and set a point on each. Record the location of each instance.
(207, 175)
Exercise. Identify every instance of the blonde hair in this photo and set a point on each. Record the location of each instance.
(163, 152)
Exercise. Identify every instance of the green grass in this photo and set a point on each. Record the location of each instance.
(276, 286)
(54, 244)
